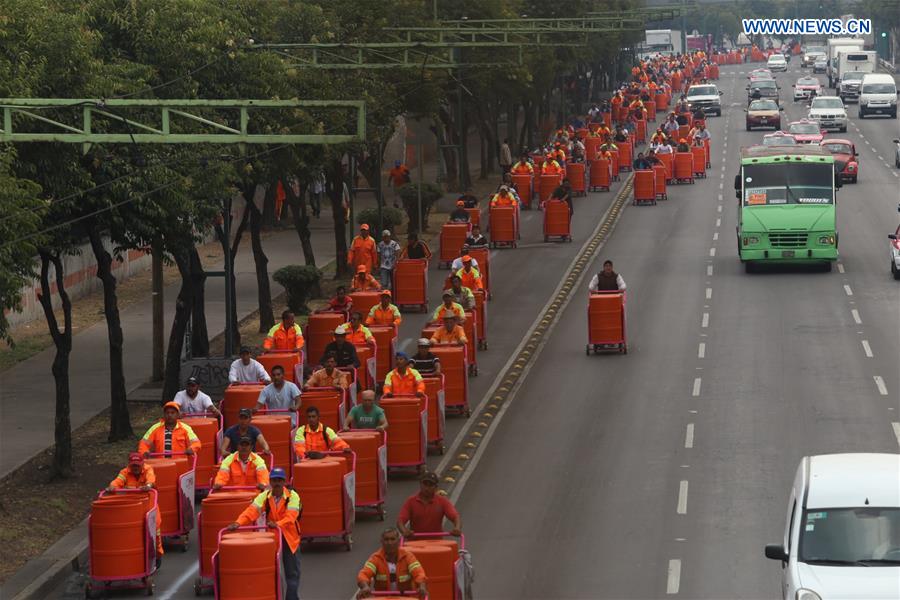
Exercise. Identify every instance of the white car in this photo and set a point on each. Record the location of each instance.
(820, 65)
(807, 87)
(828, 112)
(705, 96)
(811, 55)
(776, 62)
(842, 538)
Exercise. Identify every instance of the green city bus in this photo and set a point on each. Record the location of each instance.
(786, 205)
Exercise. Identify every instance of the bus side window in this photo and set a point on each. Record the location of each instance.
(737, 187)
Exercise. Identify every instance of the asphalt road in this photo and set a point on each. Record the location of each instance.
(663, 472)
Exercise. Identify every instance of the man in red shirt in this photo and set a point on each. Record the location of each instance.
(425, 512)
(399, 176)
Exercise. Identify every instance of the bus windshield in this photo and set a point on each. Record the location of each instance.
(798, 183)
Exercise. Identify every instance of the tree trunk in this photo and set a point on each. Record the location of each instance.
(445, 130)
(199, 332)
(301, 220)
(62, 431)
(261, 261)
(238, 234)
(119, 419)
(334, 187)
(183, 308)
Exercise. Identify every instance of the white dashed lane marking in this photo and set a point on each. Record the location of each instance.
(681, 509)
(879, 383)
(867, 348)
(705, 322)
(689, 436)
(697, 383)
(673, 577)
(701, 350)
(855, 314)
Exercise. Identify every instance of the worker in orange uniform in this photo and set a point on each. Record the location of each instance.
(469, 275)
(550, 166)
(242, 468)
(357, 333)
(503, 198)
(282, 508)
(315, 437)
(449, 308)
(285, 336)
(450, 333)
(404, 380)
(384, 313)
(363, 280)
(363, 251)
(523, 166)
(329, 376)
(169, 435)
(391, 569)
(139, 476)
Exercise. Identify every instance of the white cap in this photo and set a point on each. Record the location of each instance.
(340, 330)
(424, 342)
(386, 232)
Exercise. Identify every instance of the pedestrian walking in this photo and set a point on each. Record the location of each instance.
(388, 251)
(505, 156)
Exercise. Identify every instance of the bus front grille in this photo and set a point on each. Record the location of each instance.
(788, 240)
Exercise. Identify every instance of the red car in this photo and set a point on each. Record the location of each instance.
(846, 160)
(806, 132)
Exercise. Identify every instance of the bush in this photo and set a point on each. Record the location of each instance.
(409, 193)
(301, 283)
(391, 217)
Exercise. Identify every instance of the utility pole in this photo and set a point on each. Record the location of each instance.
(683, 30)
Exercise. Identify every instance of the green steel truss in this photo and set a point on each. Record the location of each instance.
(450, 30)
(171, 121)
(392, 55)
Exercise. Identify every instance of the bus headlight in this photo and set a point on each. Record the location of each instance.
(826, 240)
(751, 240)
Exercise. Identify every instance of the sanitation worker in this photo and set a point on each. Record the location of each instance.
(470, 275)
(343, 350)
(425, 511)
(404, 380)
(391, 569)
(523, 167)
(424, 361)
(357, 333)
(607, 280)
(415, 248)
(194, 402)
(450, 333)
(682, 146)
(459, 214)
(282, 508)
(139, 476)
(461, 294)
(232, 436)
(279, 395)
(362, 251)
(341, 301)
(247, 370)
(449, 308)
(476, 239)
(242, 468)
(169, 435)
(457, 263)
(363, 280)
(315, 437)
(384, 313)
(329, 376)
(366, 414)
(285, 336)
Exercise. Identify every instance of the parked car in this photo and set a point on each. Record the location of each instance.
(806, 87)
(764, 113)
(842, 533)
(806, 132)
(846, 160)
(765, 88)
(828, 112)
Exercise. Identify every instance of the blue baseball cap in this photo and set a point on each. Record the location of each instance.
(402, 355)
(277, 473)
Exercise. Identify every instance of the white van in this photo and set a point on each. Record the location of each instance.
(878, 95)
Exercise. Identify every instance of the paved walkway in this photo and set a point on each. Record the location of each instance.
(27, 391)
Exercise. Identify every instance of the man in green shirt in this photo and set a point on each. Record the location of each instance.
(366, 415)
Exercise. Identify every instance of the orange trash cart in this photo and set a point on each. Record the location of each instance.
(247, 564)
(218, 510)
(327, 489)
(523, 183)
(175, 479)
(606, 322)
(474, 216)
(456, 382)
(644, 187)
(625, 156)
(292, 362)
(483, 256)
(557, 221)
(386, 344)
(238, 396)
(504, 226)
(365, 374)
(668, 161)
(279, 433)
(481, 310)
(439, 554)
(699, 162)
(122, 541)
(407, 442)
(684, 168)
(371, 469)
(209, 430)
(706, 150)
(470, 326)
(411, 284)
(331, 404)
(319, 333)
(547, 183)
(453, 236)
(659, 172)
(576, 177)
(434, 392)
(362, 303)
(600, 175)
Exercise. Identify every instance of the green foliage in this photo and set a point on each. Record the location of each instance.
(409, 194)
(300, 283)
(391, 217)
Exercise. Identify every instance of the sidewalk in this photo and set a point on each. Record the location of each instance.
(27, 391)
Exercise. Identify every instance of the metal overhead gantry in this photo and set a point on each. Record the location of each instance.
(130, 121)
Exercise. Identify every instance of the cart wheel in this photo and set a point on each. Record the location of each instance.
(88, 591)
(624, 349)
(587, 350)
(441, 449)
(198, 589)
(148, 586)
(468, 413)
(348, 542)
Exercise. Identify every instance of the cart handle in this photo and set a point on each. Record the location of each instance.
(225, 530)
(436, 535)
(154, 493)
(342, 453)
(220, 417)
